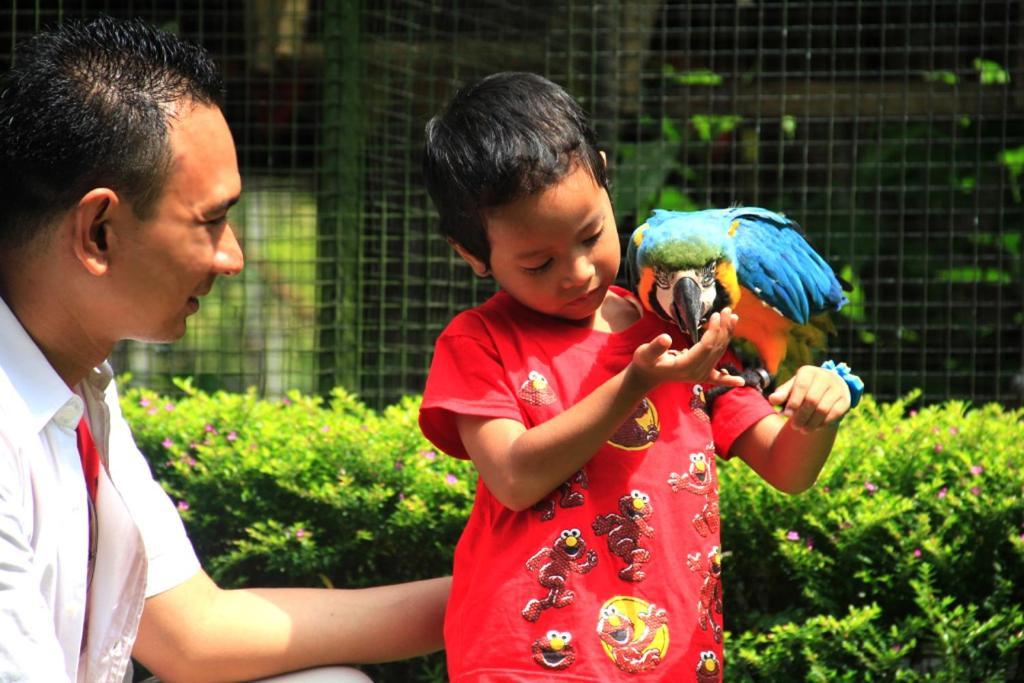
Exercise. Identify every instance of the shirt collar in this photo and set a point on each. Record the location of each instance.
(35, 382)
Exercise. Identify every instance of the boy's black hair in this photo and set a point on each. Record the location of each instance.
(86, 105)
(502, 138)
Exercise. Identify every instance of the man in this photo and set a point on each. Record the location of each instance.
(117, 170)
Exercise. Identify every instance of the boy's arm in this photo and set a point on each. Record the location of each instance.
(789, 453)
(520, 466)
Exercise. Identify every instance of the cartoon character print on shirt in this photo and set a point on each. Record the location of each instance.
(554, 650)
(699, 478)
(568, 496)
(633, 633)
(710, 601)
(536, 390)
(700, 481)
(626, 530)
(640, 430)
(709, 669)
(699, 404)
(552, 567)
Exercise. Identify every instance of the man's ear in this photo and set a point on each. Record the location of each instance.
(478, 266)
(90, 228)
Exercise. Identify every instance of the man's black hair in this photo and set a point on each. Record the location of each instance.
(502, 138)
(87, 105)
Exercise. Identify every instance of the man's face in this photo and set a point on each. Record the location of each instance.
(557, 251)
(164, 264)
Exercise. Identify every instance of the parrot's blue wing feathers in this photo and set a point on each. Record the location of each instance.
(780, 267)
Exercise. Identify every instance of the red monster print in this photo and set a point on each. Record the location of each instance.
(626, 531)
(706, 521)
(553, 565)
(710, 600)
(554, 650)
(632, 651)
(569, 496)
(698, 479)
(699, 404)
(709, 670)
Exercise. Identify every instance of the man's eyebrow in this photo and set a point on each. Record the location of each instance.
(222, 207)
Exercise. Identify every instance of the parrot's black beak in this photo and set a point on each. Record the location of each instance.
(687, 307)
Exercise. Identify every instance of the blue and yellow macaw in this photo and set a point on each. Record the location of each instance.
(686, 265)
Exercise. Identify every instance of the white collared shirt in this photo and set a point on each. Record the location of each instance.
(141, 550)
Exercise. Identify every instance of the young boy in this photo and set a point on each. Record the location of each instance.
(592, 551)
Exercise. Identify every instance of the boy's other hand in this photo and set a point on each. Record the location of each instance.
(813, 398)
(654, 362)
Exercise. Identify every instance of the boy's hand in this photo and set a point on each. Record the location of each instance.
(655, 362)
(813, 398)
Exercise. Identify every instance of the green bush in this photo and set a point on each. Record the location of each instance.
(905, 562)
(302, 492)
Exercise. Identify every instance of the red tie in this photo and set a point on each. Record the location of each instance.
(90, 458)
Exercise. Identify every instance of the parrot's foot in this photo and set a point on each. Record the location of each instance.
(752, 377)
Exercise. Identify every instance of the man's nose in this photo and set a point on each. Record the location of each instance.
(228, 259)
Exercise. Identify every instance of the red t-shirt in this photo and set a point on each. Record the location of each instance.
(616, 575)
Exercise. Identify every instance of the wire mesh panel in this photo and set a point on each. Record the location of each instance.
(893, 132)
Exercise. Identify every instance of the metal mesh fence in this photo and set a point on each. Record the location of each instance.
(893, 132)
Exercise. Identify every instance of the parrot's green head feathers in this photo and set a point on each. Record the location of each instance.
(681, 254)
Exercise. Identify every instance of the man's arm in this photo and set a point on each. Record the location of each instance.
(520, 466)
(789, 453)
(29, 645)
(198, 632)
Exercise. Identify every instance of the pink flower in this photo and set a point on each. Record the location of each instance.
(871, 488)
(325, 429)
(451, 479)
(810, 543)
(401, 496)
(210, 429)
(301, 533)
(954, 431)
(182, 505)
(938, 448)
(977, 469)
(793, 536)
(399, 465)
(232, 436)
(913, 413)
(943, 492)
(429, 455)
(151, 411)
(144, 402)
(167, 443)
(169, 407)
(825, 489)
(975, 490)
(917, 552)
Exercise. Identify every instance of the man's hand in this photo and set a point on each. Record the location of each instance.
(654, 362)
(813, 398)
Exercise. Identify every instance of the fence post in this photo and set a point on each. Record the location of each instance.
(339, 201)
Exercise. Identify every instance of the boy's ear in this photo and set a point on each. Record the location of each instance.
(90, 226)
(478, 266)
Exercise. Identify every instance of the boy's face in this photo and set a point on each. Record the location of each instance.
(556, 251)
